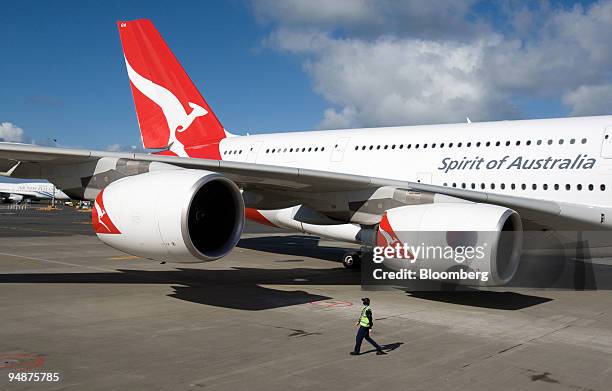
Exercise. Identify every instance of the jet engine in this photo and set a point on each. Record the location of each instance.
(445, 237)
(171, 215)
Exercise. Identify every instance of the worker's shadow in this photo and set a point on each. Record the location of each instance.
(386, 348)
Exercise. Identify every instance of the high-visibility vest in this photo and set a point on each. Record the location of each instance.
(363, 320)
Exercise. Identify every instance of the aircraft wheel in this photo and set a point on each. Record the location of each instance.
(351, 260)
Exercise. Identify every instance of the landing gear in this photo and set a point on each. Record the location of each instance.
(352, 260)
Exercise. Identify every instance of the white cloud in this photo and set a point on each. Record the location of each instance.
(10, 132)
(418, 82)
(432, 18)
(382, 63)
(590, 100)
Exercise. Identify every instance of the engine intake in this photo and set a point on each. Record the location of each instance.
(171, 215)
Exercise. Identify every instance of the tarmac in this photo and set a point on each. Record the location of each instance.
(275, 314)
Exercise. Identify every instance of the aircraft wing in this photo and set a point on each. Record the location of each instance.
(258, 176)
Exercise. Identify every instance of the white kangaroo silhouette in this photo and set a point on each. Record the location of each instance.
(390, 240)
(101, 213)
(177, 118)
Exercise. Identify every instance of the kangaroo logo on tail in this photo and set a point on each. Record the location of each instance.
(177, 118)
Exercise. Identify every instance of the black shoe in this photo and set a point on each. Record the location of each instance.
(380, 353)
(354, 353)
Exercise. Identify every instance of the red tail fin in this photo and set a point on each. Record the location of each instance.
(171, 111)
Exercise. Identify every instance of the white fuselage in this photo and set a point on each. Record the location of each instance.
(33, 190)
(567, 160)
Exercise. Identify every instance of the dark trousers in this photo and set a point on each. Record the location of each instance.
(364, 332)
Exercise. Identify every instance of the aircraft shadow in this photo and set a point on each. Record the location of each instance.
(307, 246)
(299, 245)
(238, 288)
(510, 301)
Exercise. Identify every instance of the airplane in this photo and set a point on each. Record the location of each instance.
(533, 186)
(20, 192)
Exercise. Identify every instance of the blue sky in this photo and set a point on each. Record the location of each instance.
(64, 78)
(267, 66)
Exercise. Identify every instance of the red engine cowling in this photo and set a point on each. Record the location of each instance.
(171, 215)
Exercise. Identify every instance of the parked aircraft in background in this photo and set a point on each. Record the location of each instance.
(545, 184)
(22, 192)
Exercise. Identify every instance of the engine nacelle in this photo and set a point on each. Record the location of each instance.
(440, 233)
(171, 215)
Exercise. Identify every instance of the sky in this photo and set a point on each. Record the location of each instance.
(269, 66)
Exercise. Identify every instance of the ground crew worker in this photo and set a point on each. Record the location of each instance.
(365, 324)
